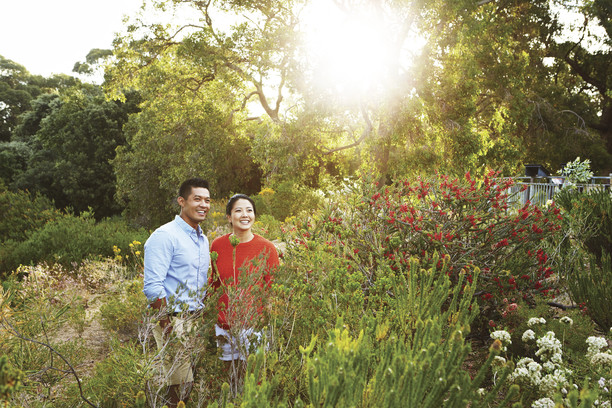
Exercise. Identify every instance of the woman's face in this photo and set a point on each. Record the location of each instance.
(242, 215)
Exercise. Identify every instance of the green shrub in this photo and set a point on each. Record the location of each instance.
(22, 213)
(588, 219)
(68, 240)
(11, 379)
(123, 307)
(117, 380)
(286, 199)
(590, 288)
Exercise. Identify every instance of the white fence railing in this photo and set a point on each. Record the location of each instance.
(539, 192)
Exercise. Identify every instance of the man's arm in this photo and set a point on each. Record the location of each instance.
(157, 258)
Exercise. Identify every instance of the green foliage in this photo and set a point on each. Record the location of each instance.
(590, 287)
(122, 309)
(177, 137)
(13, 160)
(23, 212)
(589, 218)
(17, 89)
(72, 143)
(585, 249)
(68, 239)
(286, 199)
(109, 388)
(11, 380)
(577, 171)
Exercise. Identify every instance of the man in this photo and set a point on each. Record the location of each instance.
(176, 261)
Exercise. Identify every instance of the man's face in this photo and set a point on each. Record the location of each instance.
(195, 207)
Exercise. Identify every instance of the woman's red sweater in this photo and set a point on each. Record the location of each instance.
(226, 273)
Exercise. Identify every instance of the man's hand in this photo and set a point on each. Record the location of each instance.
(160, 305)
(166, 326)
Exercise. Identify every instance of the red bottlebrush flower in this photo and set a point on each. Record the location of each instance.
(502, 243)
(487, 296)
(538, 285)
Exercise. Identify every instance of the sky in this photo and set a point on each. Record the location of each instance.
(49, 36)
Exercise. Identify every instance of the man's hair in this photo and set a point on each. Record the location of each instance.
(236, 197)
(187, 185)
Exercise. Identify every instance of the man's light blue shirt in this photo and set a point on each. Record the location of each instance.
(176, 261)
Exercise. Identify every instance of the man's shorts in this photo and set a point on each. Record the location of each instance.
(177, 367)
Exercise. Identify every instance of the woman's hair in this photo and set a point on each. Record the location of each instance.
(236, 197)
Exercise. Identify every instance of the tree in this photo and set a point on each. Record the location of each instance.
(180, 134)
(73, 137)
(583, 66)
(17, 88)
(479, 95)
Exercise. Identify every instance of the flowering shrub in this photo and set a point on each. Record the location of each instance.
(466, 221)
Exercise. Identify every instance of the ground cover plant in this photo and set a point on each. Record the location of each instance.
(425, 292)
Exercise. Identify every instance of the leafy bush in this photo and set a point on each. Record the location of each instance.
(117, 380)
(11, 379)
(286, 199)
(68, 240)
(590, 288)
(22, 213)
(577, 171)
(589, 219)
(123, 307)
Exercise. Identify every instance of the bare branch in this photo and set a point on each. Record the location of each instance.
(242, 106)
(366, 132)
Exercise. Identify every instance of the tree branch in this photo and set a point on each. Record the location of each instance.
(366, 132)
(242, 106)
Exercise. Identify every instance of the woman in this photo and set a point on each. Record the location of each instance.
(242, 256)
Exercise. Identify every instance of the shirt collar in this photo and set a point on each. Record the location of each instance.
(186, 227)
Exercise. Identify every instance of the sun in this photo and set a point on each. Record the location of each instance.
(349, 52)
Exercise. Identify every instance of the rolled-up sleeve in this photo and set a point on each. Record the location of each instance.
(157, 258)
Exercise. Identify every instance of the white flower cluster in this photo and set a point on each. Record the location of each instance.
(549, 376)
(535, 320)
(549, 348)
(543, 403)
(551, 382)
(502, 336)
(527, 370)
(567, 320)
(601, 359)
(528, 335)
(596, 344)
